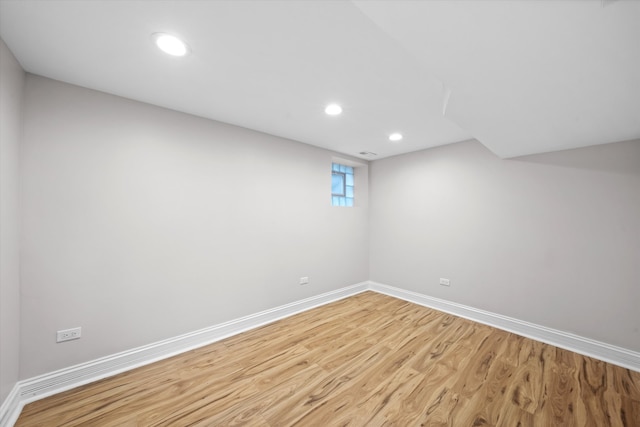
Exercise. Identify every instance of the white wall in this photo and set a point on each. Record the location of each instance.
(11, 99)
(142, 223)
(553, 239)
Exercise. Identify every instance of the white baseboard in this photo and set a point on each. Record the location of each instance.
(11, 407)
(606, 352)
(64, 379)
(32, 389)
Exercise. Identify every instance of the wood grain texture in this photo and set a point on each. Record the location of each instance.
(368, 360)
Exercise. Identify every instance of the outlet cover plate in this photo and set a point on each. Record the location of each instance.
(68, 334)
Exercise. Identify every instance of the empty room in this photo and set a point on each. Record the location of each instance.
(319, 213)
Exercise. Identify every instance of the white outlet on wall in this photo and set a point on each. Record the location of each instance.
(444, 282)
(68, 334)
(304, 280)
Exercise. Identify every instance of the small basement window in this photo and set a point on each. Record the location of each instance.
(341, 185)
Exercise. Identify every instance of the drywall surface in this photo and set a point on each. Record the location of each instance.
(141, 223)
(11, 100)
(552, 239)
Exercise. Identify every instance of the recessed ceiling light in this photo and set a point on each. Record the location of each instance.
(170, 44)
(395, 137)
(333, 109)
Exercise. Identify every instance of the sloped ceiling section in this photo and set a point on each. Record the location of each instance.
(527, 76)
(522, 77)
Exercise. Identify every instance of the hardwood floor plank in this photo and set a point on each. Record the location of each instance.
(474, 375)
(526, 390)
(367, 360)
(485, 406)
(250, 412)
(343, 356)
(317, 393)
(512, 415)
(361, 401)
(629, 412)
(559, 394)
(442, 411)
(452, 344)
(624, 380)
(421, 399)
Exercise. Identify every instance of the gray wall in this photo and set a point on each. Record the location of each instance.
(11, 99)
(142, 223)
(553, 239)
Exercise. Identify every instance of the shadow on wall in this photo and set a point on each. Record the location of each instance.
(620, 157)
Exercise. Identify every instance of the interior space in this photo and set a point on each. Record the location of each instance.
(192, 185)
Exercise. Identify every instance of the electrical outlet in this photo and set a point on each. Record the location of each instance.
(444, 282)
(304, 280)
(68, 334)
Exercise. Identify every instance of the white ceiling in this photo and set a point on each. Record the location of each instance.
(522, 77)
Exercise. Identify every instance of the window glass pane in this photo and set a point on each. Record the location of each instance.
(349, 177)
(337, 184)
(349, 192)
(342, 185)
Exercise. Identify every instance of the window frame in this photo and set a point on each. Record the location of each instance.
(344, 183)
(344, 199)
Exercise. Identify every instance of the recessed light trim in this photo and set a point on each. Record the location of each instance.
(395, 137)
(171, 45)
(333, 110)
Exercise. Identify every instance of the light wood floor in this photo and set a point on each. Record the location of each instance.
(368, 360)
